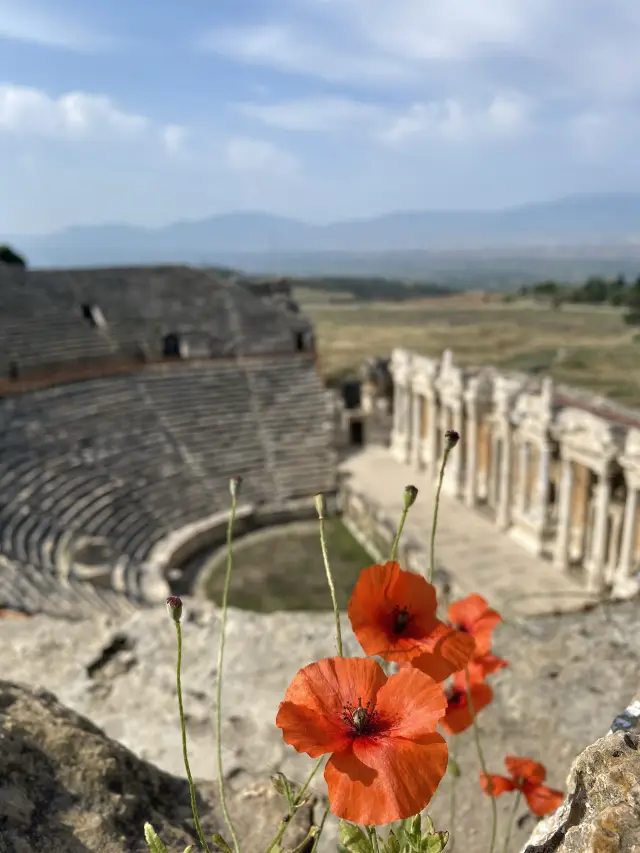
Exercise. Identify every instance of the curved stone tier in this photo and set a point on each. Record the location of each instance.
(125, 461)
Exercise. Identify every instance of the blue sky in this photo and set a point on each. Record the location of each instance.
(148, 112)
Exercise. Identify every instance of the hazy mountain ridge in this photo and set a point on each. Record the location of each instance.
(597, 225)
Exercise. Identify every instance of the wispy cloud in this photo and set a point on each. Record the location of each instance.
(248, 155)
(174, 137)
(21, 20)
(74, 115)
(314, 114)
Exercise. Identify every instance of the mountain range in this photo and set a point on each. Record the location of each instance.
(592, 224)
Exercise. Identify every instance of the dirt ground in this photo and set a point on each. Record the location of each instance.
(281, 568)
(588, 346)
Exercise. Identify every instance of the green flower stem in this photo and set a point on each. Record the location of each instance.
(453, 788)
(434, 525)
(396, 541)
(277, 838)
(332, 589)
(512, 818)
(183, 729)
(316, 840)
(223, 623)
(483, 765)
(373, 835)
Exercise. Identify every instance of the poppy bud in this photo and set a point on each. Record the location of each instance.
(321, 505)
(410, 495)
(451, 438)
(174, 607)
(234, 486)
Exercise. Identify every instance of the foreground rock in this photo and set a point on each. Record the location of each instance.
(602, 811)
(67, 788)
(569, 677)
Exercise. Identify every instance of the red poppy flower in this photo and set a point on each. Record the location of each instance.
(459, 716)
(526, 776)
(479, 667)
(449, 651)
(393, 615)
(386, 759)
(474, 616)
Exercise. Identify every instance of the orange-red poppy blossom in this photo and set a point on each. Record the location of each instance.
(526, 776)
(459, 715)
(479, 667)
(386, 759)
(474, 616)
(393, 615)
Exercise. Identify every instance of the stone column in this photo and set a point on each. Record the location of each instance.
(399, 437)
(561, 556)
(627, 549)
(471, 453)
(523, 478)
(543, 484)
(495, 462)
(416, 430)
(598, 551)
(504, 489)
(433, 426)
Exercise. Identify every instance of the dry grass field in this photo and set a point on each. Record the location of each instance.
(588, 346)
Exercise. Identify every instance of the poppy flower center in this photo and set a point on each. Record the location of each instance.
(360, 720)
(401, 618)
(457, 699)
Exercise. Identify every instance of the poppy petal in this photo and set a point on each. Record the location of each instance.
(411, 704)
(467, 611)
(478, 668)
(310, 732)
(483, 630)
(525, 769)
(388, 779)
(311, 714)
(542, 800)
(379, 591)
(457, 719)
(494, 785)
(450, 653)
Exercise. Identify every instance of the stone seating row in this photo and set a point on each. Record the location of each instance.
(43, 317)
(130, 459)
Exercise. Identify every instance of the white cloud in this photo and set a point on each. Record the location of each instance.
(292, 49)
(244, 154)
(174, 137)
(23, 21)
(313, 114)
(454, 121)
(74, 115)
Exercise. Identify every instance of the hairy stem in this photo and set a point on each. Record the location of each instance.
(396, 541)
(223, 623)
(512, 818)
(483, 765)
(434, 525)
(275, 841)
(185, 755)
(332, 589)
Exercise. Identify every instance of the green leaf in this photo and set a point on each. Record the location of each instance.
(429, 828)
(415, 828)
(153, 840)
(392, 844)
(435, 842)
(453, 768)
(188, 849)
(219, 841)
(283, 787)
(306, 846)
(353, 838)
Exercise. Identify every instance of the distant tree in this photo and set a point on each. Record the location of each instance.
(8, 256)
(632, 318)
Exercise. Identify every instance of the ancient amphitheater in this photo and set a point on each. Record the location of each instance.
(128, 399)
